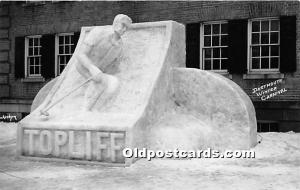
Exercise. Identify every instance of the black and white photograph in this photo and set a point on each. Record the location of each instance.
(149, 95)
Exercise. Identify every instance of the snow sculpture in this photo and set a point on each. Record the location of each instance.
(153, 102)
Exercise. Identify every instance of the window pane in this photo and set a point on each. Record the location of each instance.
(30, 41)
(255, 51)
(215, 41)
(207, 29)
(61, 49)
(224, 40)
(216, 64)
(255, 26)
(255, 38)
(61, 60)
(36, 61)
(207, 53)
(36, 43)
(274, 38)
(67, 41)
(72, 39)
(67, 49)
(207, 65)
(72, 48)
(37, 70)
(36, 51)
(216, 29)
(265, 63)
(255, 63)
(264, 50)
(30, 51)
(224, 64)
(33, 61)
(216, 52)
(61, 39)
(274, 51)
(274, 63)
(30, 61)
(207, 41)
(265, 26)
(275, 25)
(224, 29)
(31, 70)
(224, 53)
(264, 38)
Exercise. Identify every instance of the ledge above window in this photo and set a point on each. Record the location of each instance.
(33, 79)
(263, 76)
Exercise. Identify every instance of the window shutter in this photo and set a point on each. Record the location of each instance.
(76, 38)
(287, 44)
(19, 57)
(237, 46)
(193, 45)
(48, 56)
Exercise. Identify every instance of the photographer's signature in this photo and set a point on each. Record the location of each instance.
(8, 117)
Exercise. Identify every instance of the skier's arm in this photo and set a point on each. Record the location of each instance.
(85, 65)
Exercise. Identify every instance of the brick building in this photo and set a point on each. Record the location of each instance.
(252, 43)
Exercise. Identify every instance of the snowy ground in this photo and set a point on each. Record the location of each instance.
(276, 166)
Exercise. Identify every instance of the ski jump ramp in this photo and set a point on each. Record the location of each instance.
(160, 105)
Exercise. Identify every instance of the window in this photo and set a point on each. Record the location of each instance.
(33, 56)
(267, 126)
(64, 50)
(41, 57)
(264, 45)
(214, 45)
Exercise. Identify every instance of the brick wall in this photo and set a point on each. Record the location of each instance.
(186, 12)
(4, 49)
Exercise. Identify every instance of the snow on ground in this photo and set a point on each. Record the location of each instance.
(276, 166)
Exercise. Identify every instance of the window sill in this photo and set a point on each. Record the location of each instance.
(33, 79)
(263, 76)
(225, 74)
